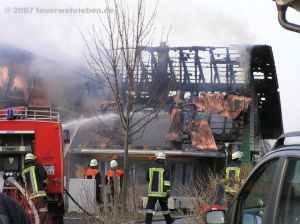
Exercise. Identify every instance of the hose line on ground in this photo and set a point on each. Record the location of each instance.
(76, 203)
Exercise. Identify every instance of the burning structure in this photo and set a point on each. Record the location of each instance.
(27, 79)
(220, 99)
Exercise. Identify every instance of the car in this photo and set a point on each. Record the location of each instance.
(271, 193)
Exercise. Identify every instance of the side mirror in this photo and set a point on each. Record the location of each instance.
(66, 136)
(215, 217)
(282, 6)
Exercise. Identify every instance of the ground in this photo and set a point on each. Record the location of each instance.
(76, 220)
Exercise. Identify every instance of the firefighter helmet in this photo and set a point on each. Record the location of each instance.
(30, 156)
(94, 162)
(113, 163)
(160, 155)
(237, 155)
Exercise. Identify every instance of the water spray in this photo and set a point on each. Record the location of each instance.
(1, 181)
(76, 124)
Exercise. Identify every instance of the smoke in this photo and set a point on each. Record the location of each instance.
(28, 79)
(155, 131)
(192, 22)
(56, 36)
(57, 46)
(64, 83)
(32, 25)
(207, 23)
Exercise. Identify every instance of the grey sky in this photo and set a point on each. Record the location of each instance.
(193, 22)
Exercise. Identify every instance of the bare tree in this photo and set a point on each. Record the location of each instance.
(114, 54)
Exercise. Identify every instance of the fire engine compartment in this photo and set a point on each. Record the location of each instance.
(13, 147)
(27, 130)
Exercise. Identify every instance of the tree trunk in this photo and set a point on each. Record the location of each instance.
(125, 170)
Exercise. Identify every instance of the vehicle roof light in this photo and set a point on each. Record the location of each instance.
(10, 114)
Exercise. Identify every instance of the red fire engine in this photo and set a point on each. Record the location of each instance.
(36, 130)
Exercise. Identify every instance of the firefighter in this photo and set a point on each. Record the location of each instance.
(34, 176)
(11, 211)
(231, 176)
(94, 173)
(159, 188)
(114, 181)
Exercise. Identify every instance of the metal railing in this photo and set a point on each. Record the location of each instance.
(30, 114)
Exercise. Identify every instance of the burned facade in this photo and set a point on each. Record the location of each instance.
(224, 93)
(219, 99)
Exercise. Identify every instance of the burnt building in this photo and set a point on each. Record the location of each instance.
(215, 100)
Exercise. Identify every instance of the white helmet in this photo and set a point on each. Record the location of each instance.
(94, 162)
(30, 156)
(160, 155)
(113, 163)
(237, 155)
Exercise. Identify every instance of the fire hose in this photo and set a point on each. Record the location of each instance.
(79, 206)
(76, 203)
(13, 181)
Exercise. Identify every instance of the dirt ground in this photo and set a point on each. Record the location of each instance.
(77, 220)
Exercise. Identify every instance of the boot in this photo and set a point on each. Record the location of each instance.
(149, 218)
(169, 219)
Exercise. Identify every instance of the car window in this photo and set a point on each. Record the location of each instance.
(255, 196)
(289, 202)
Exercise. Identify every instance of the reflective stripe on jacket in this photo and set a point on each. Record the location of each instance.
(35, 178)
(232, 178)
(159, 180)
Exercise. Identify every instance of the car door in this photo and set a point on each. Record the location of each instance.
(288, 209)
(254, 201)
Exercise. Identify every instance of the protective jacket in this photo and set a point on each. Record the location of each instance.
(114, 180)
(232, 177)
(110, 173)
(158, 176)
(11, 212)
(93, 173)
(34, 176)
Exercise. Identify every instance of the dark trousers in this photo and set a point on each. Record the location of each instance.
(164, 208)
(98, 196)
